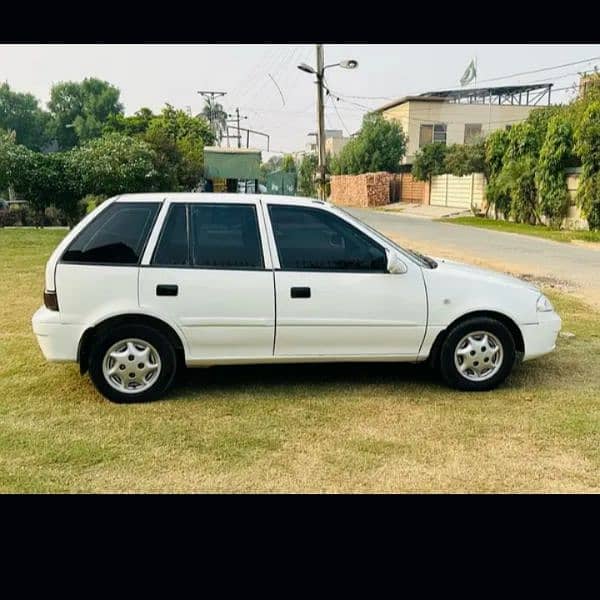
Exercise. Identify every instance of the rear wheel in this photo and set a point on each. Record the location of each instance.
(132, 363)
(477, 355)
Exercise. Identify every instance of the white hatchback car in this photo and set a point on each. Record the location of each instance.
(147, 282)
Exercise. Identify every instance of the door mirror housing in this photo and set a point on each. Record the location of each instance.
(395, 264)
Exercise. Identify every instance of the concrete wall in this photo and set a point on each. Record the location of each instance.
(369, 189)
(412, 114)
(458, 192)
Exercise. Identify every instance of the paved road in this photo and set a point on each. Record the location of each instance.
(576, 266)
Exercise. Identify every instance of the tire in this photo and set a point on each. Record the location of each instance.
(474, 363)
(143, 379)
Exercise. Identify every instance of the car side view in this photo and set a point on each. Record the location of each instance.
(147, 282)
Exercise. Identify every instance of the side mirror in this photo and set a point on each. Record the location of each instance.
(395, 264)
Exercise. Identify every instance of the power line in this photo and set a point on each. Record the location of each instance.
(338, 114)
(578, 62)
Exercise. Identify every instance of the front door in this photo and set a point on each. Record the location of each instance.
(334, 296)
(210, 274)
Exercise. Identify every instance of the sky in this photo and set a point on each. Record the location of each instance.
(151, 75)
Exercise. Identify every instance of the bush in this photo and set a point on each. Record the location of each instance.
(8, 218)
(23, 215)
(379, 146)
(89, 203)
(429, 161)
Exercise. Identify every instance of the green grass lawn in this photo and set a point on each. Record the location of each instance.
(291, 428)
(523, 228)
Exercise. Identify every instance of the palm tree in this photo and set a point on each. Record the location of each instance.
(216, 116)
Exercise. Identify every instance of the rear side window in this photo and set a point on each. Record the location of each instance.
(117, 236)
(212, 236)
(225, 236)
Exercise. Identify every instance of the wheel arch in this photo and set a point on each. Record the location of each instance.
(85, 342)
(511, 325)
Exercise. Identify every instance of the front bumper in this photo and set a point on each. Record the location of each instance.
(58, 341)
(540, 338)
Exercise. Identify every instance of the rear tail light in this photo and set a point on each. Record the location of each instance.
(51, 300)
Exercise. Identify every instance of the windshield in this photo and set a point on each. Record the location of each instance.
(421, 259)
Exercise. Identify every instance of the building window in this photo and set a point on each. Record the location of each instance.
(472, 133)
(432, 133)
(425, 135)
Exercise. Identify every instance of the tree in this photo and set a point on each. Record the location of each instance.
(306, 175)
(178, 141)
(497, 192)
(21, 113)
(43, 179)
(429, 161)
(114, 164)
(380, 145)
(135, 124)
(80, 110)
(288, 164)
(550, 176)
(464, 159)
(587, 147)
(214, 113)
(14, 161)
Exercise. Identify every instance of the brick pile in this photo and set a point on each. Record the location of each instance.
(368, 189)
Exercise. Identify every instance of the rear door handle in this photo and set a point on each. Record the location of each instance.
(167, 290)
(300, 292)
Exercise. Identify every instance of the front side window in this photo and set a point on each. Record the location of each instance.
(117, 236)
(311, 239)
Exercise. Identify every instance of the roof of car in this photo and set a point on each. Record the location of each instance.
(220, 196)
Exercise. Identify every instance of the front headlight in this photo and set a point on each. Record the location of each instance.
(543, 304)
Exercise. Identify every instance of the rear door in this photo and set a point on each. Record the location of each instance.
(209, 271)
(334, 296)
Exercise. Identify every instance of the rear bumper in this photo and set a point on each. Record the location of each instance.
(540, 338)
(58, 341)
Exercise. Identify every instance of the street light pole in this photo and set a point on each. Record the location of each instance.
(320, 75)
(321, 119)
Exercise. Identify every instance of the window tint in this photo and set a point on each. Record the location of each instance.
(225, 236)
(315, 240)
(173, 247)
(117, 236)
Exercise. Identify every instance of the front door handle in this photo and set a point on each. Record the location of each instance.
(300, 292)
(167, 290)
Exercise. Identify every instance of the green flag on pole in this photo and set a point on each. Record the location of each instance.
(469, 74)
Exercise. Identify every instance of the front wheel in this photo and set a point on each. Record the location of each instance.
(132, 363)
(477, 355)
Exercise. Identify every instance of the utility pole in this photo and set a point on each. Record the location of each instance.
(319, 72)
(212, 95)
(237, 120)
(321, 119)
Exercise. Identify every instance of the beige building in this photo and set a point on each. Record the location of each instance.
(462, 116)
(334, 141)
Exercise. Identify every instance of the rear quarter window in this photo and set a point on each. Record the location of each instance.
(117, 236)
